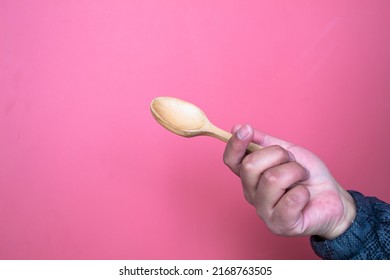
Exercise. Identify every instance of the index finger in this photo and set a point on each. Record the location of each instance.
(236, 148)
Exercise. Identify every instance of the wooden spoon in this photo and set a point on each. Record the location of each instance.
(186, 119)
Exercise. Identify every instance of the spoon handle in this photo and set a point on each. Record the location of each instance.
(223, 135)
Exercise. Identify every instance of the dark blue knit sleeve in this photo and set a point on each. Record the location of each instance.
(368, 238)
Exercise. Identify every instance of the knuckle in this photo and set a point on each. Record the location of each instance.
(248, 164)
(262, 212)
(272, 224)
(291, 201)
(277, 228)
(248, 197)
(279, 225)
(281, 231)
(271, 176)
(280, 152)
(227, 161)
(262, 215)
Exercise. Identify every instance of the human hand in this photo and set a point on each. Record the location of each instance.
(290, 187)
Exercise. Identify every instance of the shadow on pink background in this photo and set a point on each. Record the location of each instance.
(86, 172)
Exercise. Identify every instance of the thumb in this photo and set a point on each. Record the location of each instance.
(265, 140)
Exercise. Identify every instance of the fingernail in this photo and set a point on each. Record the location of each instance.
(243, 132)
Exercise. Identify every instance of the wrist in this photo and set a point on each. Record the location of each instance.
(347, 218)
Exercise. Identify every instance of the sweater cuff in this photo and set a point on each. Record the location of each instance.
(353, 240)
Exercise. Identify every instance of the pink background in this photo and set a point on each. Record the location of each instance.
(86, 172)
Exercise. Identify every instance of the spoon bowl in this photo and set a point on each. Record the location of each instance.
(179, 116)
(186, 119)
